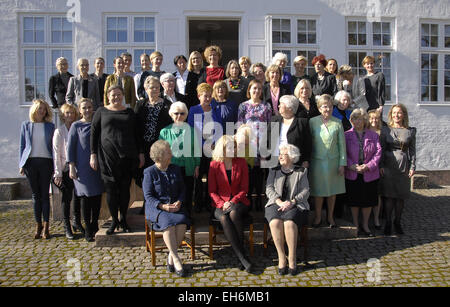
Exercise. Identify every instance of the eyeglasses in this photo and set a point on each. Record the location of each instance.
(178, 113)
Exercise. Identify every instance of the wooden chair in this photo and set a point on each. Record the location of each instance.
(303, 233)
(215, 229)
(150, 241)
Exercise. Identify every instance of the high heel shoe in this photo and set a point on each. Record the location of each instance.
(111, 228)
(293, 271)
(124, 226)
(170, 267)
(282, 271)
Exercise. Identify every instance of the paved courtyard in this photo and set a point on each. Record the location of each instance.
(418, 258)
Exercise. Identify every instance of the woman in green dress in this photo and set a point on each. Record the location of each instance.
(328, 159)
(183, 144)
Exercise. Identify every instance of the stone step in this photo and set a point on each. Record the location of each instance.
(137, 224)
(9, 190)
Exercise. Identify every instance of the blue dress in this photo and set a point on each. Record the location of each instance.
(225, 112)
(164, 188)
(89, 182)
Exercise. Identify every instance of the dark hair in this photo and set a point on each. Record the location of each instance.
(177, 58)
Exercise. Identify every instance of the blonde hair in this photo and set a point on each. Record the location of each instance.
(204, 87)
(402, 107)
(377, 114)
(273, 67)
(217, 84)
(65, 107)
(219, 151)
(210, 49)
(299, 85)
(360, 112)
(300, 58)
(245, 59)
(34, 108)
(190, 67)
(155, 54)
(367, 59)
(325, 99)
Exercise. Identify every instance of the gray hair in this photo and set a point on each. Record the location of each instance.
(178, 105)
(166, 77)
(360, 112)
(279, 56)
(341, 94)
(150, 79)
(159, 150)
(292, 151)
(59, 60)
(291, 102)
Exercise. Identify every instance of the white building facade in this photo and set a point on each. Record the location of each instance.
(411, 39)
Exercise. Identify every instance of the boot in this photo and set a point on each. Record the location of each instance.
(114, 225)
(88, 233)
(38, 231)
(46, 234)
(68, 230)
(77, 216)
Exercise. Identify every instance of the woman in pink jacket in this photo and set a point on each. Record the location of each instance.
(362, 171)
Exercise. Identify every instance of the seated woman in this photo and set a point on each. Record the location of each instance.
(287, 208)
(228, 186)
(164, 192)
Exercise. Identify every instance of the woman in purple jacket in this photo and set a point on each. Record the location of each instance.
(362, 171)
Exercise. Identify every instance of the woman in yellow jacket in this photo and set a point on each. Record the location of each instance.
(119, 78)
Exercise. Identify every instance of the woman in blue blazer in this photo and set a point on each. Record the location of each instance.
(36, 161)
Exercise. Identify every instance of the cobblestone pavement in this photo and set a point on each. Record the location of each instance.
(418, 258)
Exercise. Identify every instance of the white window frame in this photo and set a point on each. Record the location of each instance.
(47, 46)
(130, 45)
(294, 47)
(370, 48)
(441, 51)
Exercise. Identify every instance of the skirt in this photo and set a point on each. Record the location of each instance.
(299, 217)
(169, 219)
(361, 194)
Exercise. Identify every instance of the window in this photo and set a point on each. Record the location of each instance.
(371, 38)
(44, 38)
(435, 61)
(295, 36)
(132, 34)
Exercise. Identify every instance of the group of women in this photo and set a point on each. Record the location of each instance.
(228, 125)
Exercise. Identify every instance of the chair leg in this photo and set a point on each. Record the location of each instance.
(251, 239)
(152, 247)
(147, 237)
(211, 234)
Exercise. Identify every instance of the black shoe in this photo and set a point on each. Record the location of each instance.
(111, 228)
(78, 227)
(68, 231)
(398, 228)
(378, 227)
(362, 232)
(282, 271)
(181, 273)
(124, 226)
(316, 225)
(293, 271)
(170, 267)
(388, 229)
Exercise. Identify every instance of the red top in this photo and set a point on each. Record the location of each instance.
(219, 187)
(214, 74)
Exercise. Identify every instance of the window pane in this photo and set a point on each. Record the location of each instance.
(376, 27)
(301, 25)
(447, 42)
(433, 93)
(447, 61)
(111, 36)
(352, 27)
(425, 78)
(352, 39)
(56, 36)
(138, 36)
(29, 57)
(434, 29)
(139, 23)
(111, 23)
(122, 23)
(40, 76)
(276, 25)
(56, 24)
(286, 37)
(311, 25)
(425, 93)
(424, 41)
(39, 23)
(28, 23)
(301, 38)
(386, 28)
(377, 39)
(311, 38)
(149, 36)
(39, 38)
(286, 25)
(434, 77)
(67, 26)
(276, 38)
(122, 36)
(425, 29)
(425, 61)
(434, 61)
(28, 36)
(386, 40)
(40, 60)
(67, 37)
(361, 27)
(447, 94)
(361, 39)
(150, 23)
(447, 78)
(434, 41)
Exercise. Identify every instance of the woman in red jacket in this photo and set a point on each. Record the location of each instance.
(228, 186)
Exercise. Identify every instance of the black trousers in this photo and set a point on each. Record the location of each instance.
(90, 208)
(39, 173)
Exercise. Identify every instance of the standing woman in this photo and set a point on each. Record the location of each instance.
(273, 89)
(57, 85)
(258, 70)
(362, 172)
(300, 63)
(35, 161)
(322, 81)
(183, 142)
(169, 82)
(145, 71)
(225, 109)
(398, 164)
(245, 63)
(214, 72)
(228, 186)
(281, 60)
(83, 86)
(375, 125)
(120, 78)
(68, 114)
(332, 66)
(372, 85)
(328, 159)
(307, 107)
(88, 182)
(256, 113)
(236, 84)
(100, 76)
(197, 75)
(116, 149)
(344, 79)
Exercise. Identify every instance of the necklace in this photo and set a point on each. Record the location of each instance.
(234, 86)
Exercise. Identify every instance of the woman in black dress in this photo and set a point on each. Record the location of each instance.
(116, 148)
(372, 85)
(322, 82)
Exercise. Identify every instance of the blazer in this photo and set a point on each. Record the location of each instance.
(298, 134)
(372, 154)
(161, 189)
(75, 91)
(267, 96)
(219, 188)
(57, 87)
(328, 142)
(26, 140)
(298, 185)
(128, 89)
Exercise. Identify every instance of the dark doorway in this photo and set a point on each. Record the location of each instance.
(223, 33)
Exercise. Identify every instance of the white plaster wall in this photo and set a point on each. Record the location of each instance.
(432, 122)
